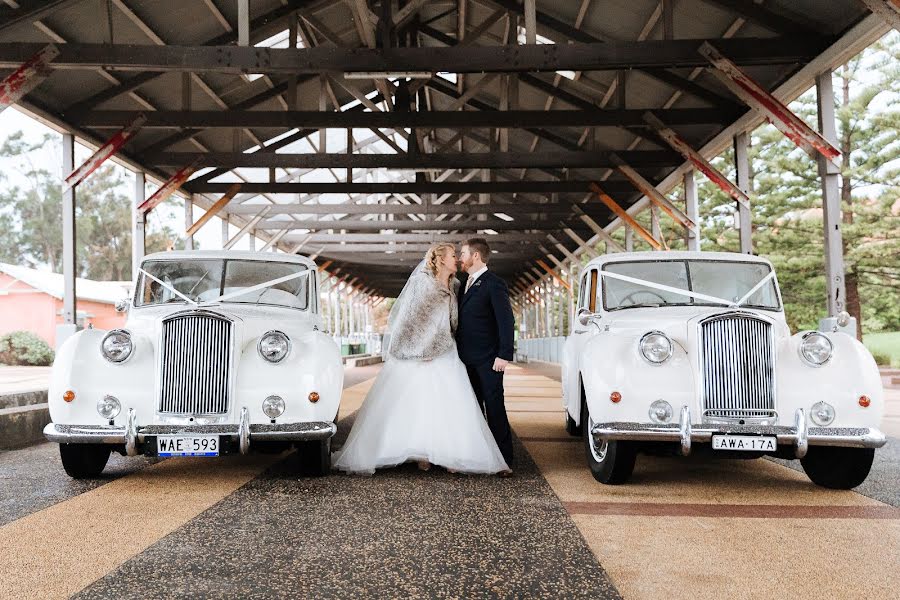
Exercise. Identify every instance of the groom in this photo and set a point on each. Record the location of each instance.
(484, 338)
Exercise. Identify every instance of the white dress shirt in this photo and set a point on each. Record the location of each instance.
(471, 280)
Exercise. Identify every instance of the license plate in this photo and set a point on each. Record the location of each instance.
(748, 443)
(187, 445)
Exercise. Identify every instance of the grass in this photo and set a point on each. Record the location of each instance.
(885, 347)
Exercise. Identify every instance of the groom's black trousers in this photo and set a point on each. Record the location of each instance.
(488, 386)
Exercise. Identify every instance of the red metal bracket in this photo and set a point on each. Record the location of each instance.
(215, 208)
(754, 96)
(167, 189)
(553, 274)
(107, 150)
(703, 165)
(623, 214)
(27, 77)
(654, 195)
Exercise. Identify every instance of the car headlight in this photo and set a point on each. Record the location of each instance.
(661, 411)
(821, 413)
(815, 349)
(274, 346)
(108, 407)
(117, 346)
(273, 406)
(656, 347)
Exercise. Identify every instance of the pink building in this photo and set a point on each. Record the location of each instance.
(31, 300)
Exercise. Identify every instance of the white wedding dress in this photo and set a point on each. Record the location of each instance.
(421, 410)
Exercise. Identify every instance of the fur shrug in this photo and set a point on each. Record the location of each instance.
(424, 318)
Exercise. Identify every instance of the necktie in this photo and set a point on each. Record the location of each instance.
(468, 284)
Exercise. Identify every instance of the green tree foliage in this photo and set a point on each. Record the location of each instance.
(31, 217)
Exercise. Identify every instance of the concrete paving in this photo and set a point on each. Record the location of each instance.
(251, 527)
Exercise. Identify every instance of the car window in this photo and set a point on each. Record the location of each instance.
(195, 279)
(732, 281)
(622, 294)
(293, 293)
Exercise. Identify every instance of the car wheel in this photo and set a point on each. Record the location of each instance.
(84, 461)
(612, 462)
(838, 468)
(315, 458)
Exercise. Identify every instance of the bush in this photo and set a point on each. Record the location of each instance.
(882, 359)
(25, 348)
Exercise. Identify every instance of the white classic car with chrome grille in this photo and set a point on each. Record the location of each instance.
(685, 351)
(221, 353)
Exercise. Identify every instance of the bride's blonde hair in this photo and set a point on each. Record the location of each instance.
(434, 255)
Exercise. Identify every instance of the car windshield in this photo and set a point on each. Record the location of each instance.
(234, 281)
(687, 283)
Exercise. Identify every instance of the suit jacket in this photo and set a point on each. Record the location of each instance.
(486, 322)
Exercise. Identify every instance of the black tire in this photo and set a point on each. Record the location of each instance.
(571, 428)
(315, 458)
(617, 459)
(84, 461)
(838, 468)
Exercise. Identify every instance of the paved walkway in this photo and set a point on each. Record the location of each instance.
(15, 380)
(249, 527)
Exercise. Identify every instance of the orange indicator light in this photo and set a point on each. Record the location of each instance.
(615, 397)
(69, 395)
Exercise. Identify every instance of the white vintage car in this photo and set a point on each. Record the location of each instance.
(684, 351)
(221, 353)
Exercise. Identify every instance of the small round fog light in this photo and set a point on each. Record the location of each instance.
(314, 397)
(660, 411)
(821, 413)
(273, 406)
(108, 407)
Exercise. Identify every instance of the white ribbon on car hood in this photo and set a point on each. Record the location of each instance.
(697, 295)
(229, 295)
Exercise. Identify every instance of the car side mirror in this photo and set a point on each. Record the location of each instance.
(585, 315)
(123, 305)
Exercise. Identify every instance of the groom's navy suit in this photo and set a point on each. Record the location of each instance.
(485, 332)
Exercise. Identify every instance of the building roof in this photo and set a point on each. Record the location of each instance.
(106, 292)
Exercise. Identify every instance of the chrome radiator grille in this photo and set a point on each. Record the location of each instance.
(738, 367)
(195, 363)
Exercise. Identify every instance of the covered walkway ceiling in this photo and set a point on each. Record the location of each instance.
(458, 117)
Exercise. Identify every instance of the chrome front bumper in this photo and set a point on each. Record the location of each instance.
(132, 435)
(800, 436)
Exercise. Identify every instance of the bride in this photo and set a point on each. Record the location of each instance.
(421, 407)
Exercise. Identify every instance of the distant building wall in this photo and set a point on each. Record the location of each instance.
(24, 308)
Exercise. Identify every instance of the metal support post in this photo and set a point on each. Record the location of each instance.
(831, 200)
(70, 307)
(138, 224)
(742, 165)
(692, 210)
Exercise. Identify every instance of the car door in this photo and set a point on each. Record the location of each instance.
(588, 293)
